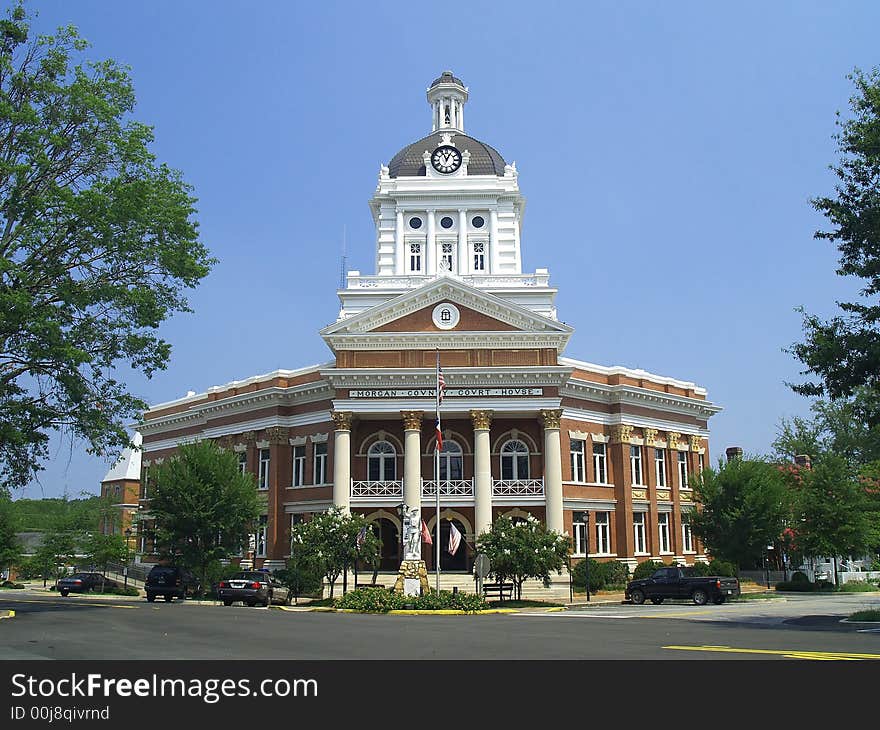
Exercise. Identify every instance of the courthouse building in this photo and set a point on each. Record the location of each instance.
(526, 429)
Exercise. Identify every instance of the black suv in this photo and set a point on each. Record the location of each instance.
(170, 582)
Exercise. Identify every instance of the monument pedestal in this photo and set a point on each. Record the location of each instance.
(412, 579)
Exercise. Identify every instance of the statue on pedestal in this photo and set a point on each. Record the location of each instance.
(413, 576)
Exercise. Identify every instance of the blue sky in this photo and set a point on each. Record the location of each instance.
(668, 153)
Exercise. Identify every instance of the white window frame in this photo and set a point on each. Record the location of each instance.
(514, 457)
(265, 464)
(635, 464)
(242, 462)
(603, 533)
(447, 253)
(600, 463)
(479, 256)
(640, 544)
(683, 470)
(660, 466)
(260, 537)
(663, 533)
(415, 258)
(578, 530)
(319, 453)
(687, 534)
(379, 453)
(578, 464)
(298, 459)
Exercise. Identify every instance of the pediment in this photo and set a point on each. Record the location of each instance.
(478, 311)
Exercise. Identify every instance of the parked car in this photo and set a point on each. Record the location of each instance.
(676, 583)
(170, 581)
(84, 582)
(252, 587)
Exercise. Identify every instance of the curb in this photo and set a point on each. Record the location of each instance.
(402, 611)
(9, 614)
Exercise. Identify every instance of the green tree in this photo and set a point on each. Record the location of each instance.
(524, 549)
(100, 550)
(744, 507)
(97, 246)
(327, 543)
(202, 506)
(58, 551)
(835, 511)
(10, 549)
(844, 352)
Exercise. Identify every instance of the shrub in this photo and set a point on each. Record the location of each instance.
(857, 586)
(793, 585)
(799, 577)
(700, 569)
(124, 591)
(617, 573)
(382, 600)
(646, 569)
(371, 600)
(722, 568)
(598, 575)
(10, 584)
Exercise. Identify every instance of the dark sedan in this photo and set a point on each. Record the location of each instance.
(252, 587)
(84, 582)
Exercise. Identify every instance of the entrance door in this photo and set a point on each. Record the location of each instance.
(390, 538)
(461, 560)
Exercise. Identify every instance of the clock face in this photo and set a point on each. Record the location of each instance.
(446, 159)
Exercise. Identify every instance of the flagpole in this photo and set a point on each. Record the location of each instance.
(437, 471)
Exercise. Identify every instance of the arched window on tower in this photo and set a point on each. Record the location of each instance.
(382, 462)
(514, 460)
(450, 462)
(447, 116)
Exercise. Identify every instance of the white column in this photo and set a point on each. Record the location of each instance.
(552, 469)
(412, 458)
(482, 472)
(461, 116)
(464, 265)
(431, 245)
(399, 251)
(341, 459)
(493, 241)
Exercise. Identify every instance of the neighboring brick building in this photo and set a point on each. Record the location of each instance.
(525, 429)
(122, 487)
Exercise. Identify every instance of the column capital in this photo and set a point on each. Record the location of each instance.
(550, 417)
(249, 438)
(621, 434)
(482, 420)
(341, 420)
(277, 435)
(412, 420)
(696, 442)
(650, 436)
(672, 437)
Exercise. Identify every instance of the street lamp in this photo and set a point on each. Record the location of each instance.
(767, 564)
(127, 555)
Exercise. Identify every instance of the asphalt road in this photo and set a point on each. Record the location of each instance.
(803, 627)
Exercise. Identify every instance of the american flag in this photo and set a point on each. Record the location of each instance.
(441, 384)
(454, 538)
(361, 537)
(426, 536)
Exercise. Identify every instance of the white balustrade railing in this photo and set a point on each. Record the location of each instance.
(518, 488)
(377, 489)
(450, 488)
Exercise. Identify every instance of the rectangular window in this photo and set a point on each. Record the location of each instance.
(242, 462)
(578, 473)
(260, 537)
(702, 462)
(299, 466)
(601, 475)
(264, 469)
(639, 532)
(320, 464)
(683, 470)
(660, 464)
(635, 463)
(603, 534)
(415, 257)
(447, 253)
(687, 535)
(663, 532)
(479, 257)
(579, 547)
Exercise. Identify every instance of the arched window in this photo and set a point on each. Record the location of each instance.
(514, 460)
(450, 462)
(381, 462)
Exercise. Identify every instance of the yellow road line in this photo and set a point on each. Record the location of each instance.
(788, 653)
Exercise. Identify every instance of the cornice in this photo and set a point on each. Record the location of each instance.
(632, 395)
(493, 339)
(340, 378)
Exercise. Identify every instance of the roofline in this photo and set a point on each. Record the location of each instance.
(633, 373)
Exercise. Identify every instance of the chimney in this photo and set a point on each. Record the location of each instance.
(734, 452)
(803, 460)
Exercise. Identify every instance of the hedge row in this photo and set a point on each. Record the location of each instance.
(602, 575)
(382, 600)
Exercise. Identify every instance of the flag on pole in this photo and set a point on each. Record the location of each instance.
(426, 536)
(361, 537)
(441, 383)
(439, 435)
(454, 538)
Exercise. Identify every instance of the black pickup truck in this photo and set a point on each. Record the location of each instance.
(676, 583)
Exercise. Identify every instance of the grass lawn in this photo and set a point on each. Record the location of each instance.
(869, 615)
(755, 596)
(525, 604)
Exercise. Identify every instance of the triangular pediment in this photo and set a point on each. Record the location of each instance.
(476, 310)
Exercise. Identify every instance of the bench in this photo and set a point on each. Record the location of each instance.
(498, 589)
